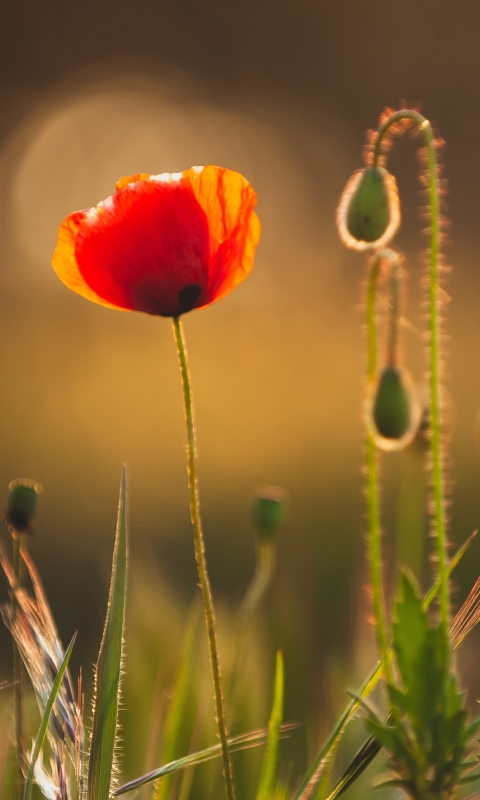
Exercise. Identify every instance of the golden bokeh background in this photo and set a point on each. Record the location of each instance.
(281, 92)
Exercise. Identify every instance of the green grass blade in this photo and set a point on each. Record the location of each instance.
(241, 742)
(179, 705)
(361, 761)
(109, 665)
(268, 778)
(42, 731)
(314, 773)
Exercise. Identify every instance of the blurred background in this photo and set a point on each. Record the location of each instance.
(282, 91)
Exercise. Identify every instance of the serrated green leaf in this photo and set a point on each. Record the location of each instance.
(109, 664)
(472, 729)
(268, 777)
(42, 731)
(387, 737)
(178, 705)
(410, 629)
(241, 742)
(420, 656)
(332, 741)
(398, 699)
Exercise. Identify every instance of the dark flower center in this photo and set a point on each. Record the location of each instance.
(188, 296)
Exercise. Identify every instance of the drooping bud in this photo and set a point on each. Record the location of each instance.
(368, 214)
(394, 410)
(22, 504)
(268, 509)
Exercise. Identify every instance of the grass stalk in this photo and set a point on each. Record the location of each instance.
(200, 558)
(17, 668)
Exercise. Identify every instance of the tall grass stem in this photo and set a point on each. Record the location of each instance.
(17, 668)
(200, 557)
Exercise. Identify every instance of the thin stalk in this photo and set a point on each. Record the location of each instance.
(264, 571)
(262, 578)
(437, 478)
(373, 504)
(201, 558)
(17, 668)
(393, 315)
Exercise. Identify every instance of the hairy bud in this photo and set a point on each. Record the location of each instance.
(368, 214)
(394, 410)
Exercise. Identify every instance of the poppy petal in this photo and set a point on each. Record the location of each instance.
(122, 182)
(228, 201)
(65, 263)
(163, 244)
(141, 247)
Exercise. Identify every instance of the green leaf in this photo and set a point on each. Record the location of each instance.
(410, 630)
(472, 729)
(362, 759)
(178, 705)
(433, 591)
(42, 731)
(470, 778)
(331, 743)
(421, 659)
(109, 665)
(268, 778)
(241, 742)
(395, 784)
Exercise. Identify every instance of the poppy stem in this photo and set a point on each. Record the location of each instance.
(200, 557)
(265, 550)
(434, 318)
(371, 467)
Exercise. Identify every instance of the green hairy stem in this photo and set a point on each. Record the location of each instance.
(201, 558)
(437, 476)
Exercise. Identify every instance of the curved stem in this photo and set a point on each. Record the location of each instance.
(264, 571)
(373, 504)
(201, 558)
(439, 518)
(262, 578)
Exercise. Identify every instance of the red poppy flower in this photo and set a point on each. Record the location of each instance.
(163, 244)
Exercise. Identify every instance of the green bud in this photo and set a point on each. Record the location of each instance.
(22, 503)
(268, 509)
(369, 212)
(391, 408)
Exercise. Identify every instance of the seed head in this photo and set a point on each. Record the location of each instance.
(22, 504)
(268, 509)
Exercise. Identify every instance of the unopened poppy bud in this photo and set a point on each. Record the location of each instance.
(22, 503)
(268, 509)
(368, 214)
(395, 411)
(391, 410)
